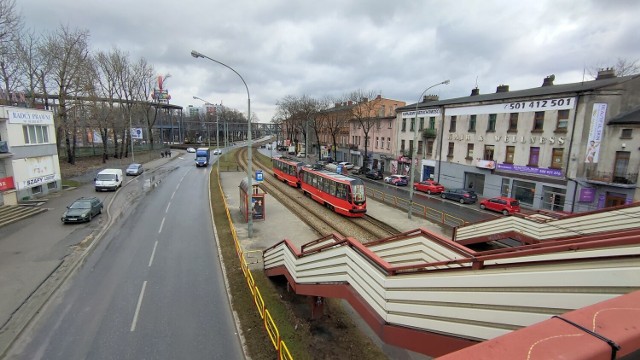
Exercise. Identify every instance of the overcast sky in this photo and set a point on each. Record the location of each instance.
(330, 48)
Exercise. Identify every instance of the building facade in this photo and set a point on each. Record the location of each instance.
(548, 147)
(29, 166)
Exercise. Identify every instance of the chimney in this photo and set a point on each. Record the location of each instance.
(548, 81)
(428, 98)
(502, 88)
(378, 97)
(349, 103)
(475, 91)
(607, 73)
(337, 104)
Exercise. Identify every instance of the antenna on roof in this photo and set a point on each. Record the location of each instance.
(476, 81)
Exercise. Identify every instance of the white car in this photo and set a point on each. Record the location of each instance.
(217, 152)
(191, 150)
(346, 164)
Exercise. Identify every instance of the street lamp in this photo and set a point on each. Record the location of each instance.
(196, 55)
(217, 133)
(414, 153)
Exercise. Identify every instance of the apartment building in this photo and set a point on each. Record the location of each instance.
(555, 147)
(29, 166)
(364, 132)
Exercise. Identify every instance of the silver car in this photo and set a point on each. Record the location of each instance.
(135, 169)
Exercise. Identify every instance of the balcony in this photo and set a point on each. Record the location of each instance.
(353, 147)
(429, 133)
(610, 178)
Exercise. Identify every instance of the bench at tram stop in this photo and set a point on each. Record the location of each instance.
(253, 201)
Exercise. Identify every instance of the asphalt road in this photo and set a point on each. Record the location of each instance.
(153, 287)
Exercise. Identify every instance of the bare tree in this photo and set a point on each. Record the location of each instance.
(365, 115)
(622, 67)
(33, 65)
(68, 52)
(10, 22)
(10, 26)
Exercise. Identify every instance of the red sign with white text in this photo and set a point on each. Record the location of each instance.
(7, 183)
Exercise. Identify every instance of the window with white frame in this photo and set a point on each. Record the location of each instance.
(35, 134)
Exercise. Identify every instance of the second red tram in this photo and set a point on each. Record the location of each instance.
(287, 170)
(342, 194)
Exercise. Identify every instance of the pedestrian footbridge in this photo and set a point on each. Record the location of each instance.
(434, 295)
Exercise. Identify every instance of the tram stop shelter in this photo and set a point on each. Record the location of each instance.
(256, 206)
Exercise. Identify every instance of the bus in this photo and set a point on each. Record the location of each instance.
(287, 170)
(340, 193)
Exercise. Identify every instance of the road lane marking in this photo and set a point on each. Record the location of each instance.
(166, 211)
(153, 253)
(161, 225)
(135, 315)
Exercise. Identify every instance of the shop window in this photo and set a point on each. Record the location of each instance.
(556, 158)
(472, 123)
(511, 150)
(524, 191)
(489, 150)
(538, 121)
(36, 190)
(513, 122)
(491, 125)
(534, 156)
(626, 134)
(563, 121)
(452, 125)
(52, 185)
(450, 151)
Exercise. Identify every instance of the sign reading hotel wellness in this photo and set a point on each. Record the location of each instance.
(566, 103)
(30, 117)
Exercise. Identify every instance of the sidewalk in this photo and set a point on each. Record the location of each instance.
(33, 249)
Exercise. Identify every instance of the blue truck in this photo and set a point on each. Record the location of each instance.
(202, 156)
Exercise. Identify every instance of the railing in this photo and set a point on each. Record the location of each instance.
(429, 133)
(422, 211)
(611, 177)
(353, 147)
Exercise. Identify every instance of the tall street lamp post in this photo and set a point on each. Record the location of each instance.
(414, 153)
(196, 55)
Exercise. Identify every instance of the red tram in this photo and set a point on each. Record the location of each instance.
(340, 193)
(287, 170)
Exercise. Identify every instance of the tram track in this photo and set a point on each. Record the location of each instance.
(321, 219)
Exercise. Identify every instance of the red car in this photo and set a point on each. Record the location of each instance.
(429, 186)
(505, 205)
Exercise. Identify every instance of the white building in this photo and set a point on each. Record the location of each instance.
(29, 165)
(543, 146)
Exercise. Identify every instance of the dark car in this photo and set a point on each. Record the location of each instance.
(82, 210)
(135, 169)
(374, 174)
(464, 196)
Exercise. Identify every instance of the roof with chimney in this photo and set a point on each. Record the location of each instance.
(605, 78)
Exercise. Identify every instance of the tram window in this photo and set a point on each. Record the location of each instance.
(332, 188)
(342, 191)
(358, 194)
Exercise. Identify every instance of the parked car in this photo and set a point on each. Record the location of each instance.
(346, 164)
(135, 169)
(217, 152)
(464, 196)
(374, 174)
(191, 150)
(301, 154)
(505, 205)
(82, 210)
(397, 180)
(328, 159)
(429, 186)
